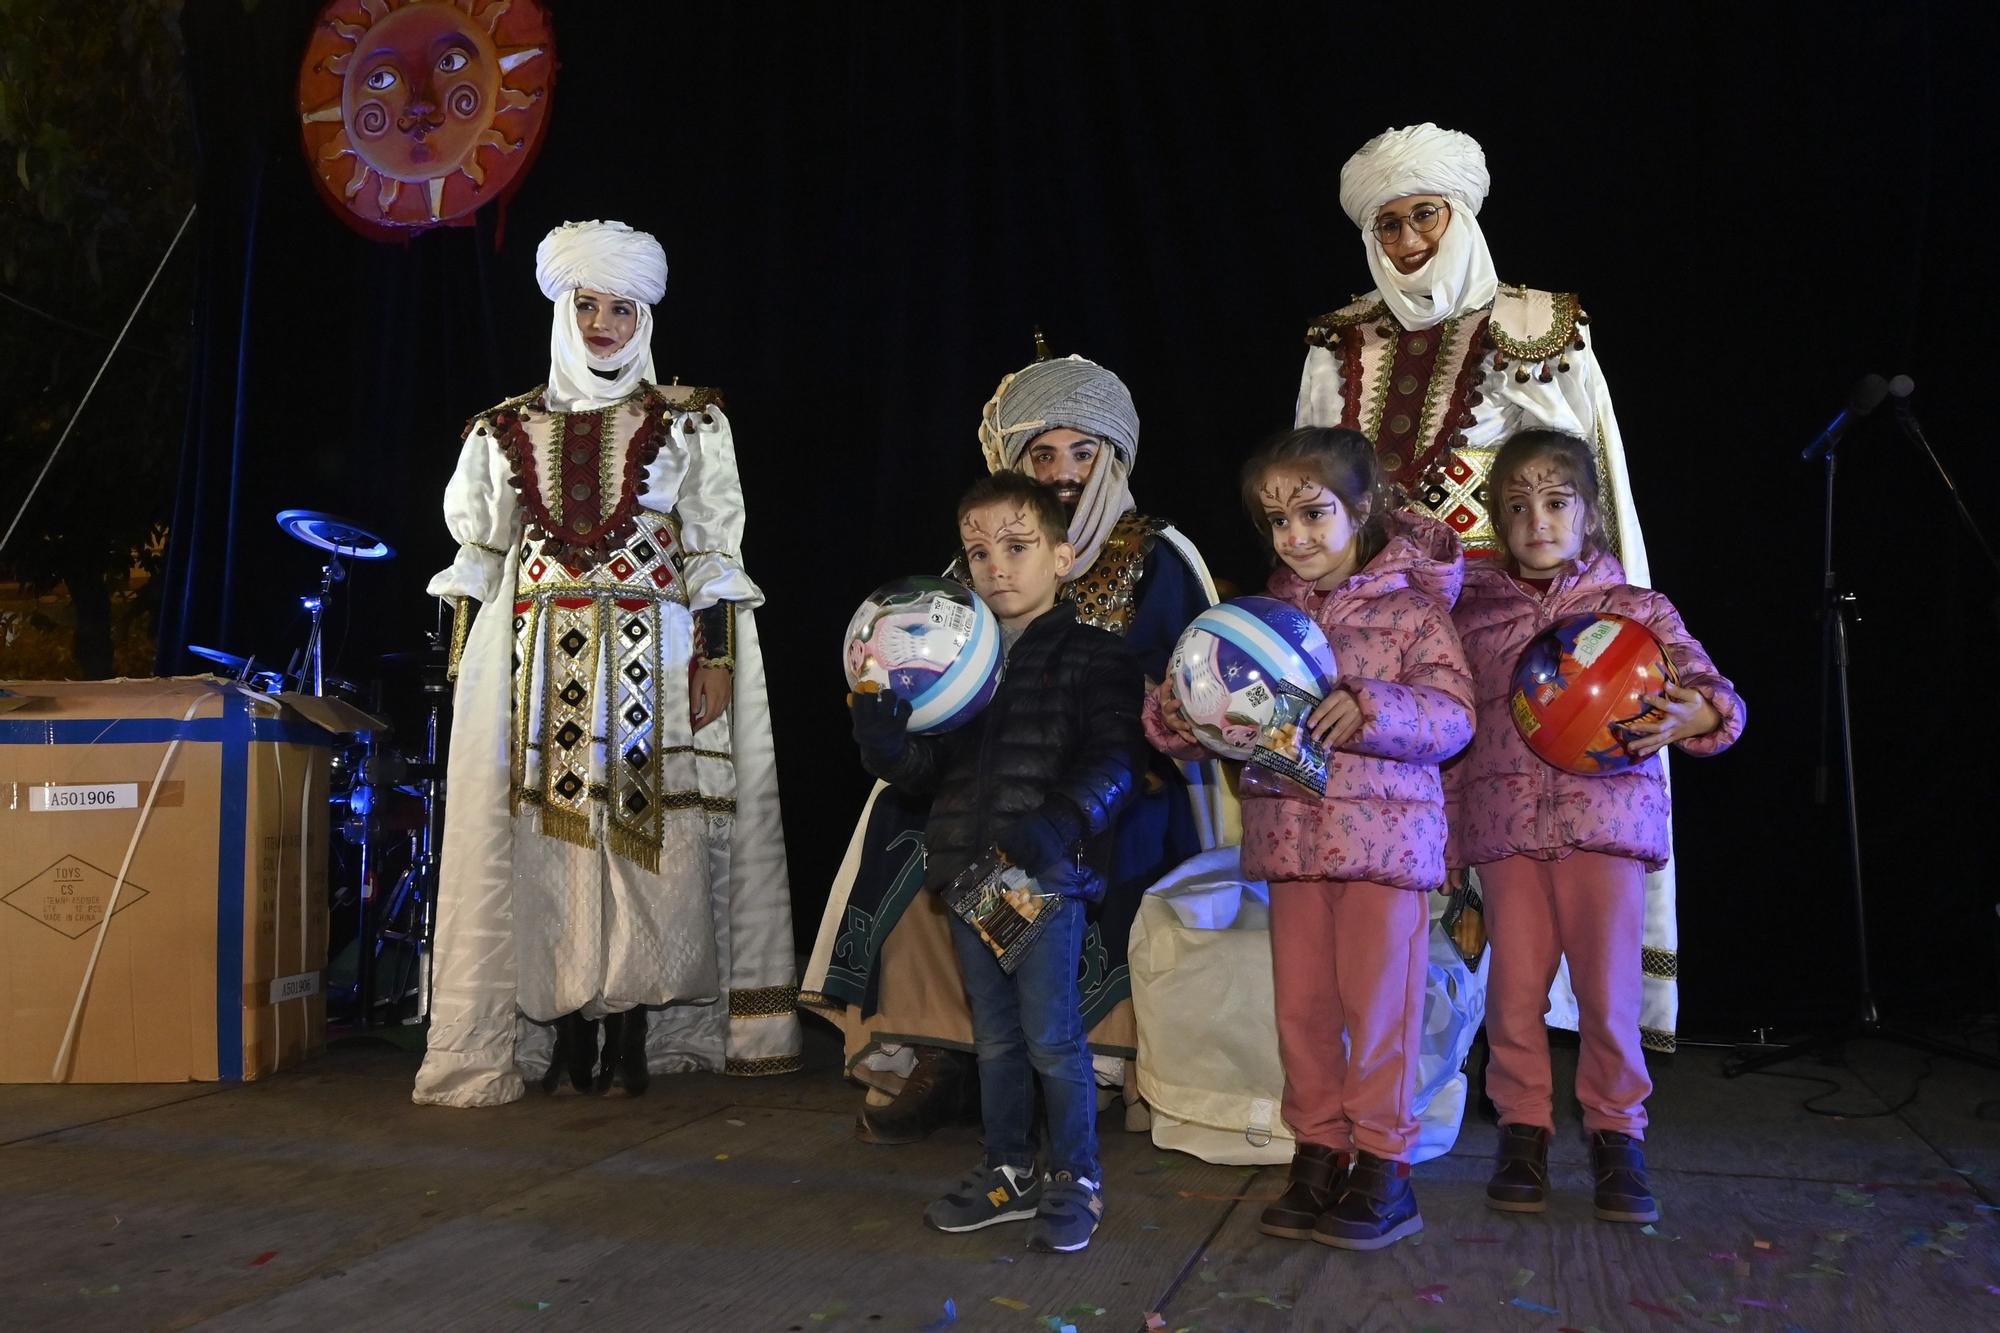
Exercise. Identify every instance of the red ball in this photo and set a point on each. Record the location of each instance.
(1577, 685)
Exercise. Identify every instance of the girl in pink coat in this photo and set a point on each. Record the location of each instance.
(1349, 872)
(1562, 858)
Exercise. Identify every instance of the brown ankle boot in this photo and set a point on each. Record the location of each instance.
(1377, 1207)
(943, 1089)
(1619, 1163)
(1316, 1177)
(1520, 1182)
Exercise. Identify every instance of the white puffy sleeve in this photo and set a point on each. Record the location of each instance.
(710, 508)
(480, 510)
(1617, 475)
(1319, 390)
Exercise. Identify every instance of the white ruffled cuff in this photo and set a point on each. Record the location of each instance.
(475, 573)
(711, 577)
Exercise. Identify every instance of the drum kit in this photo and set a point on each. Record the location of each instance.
(387, 799)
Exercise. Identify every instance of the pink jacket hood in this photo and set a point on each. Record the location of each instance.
(1421, 554)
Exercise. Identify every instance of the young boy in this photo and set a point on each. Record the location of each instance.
(1039, 775)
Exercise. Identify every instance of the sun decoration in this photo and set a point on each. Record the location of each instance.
(399, 98)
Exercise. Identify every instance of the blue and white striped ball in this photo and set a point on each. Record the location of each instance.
(1231, 659)
(932, 641)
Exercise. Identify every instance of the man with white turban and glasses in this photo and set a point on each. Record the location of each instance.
(1438, 365)
(884, 968)
(613, 856)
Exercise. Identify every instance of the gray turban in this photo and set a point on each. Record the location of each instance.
(1070, 393)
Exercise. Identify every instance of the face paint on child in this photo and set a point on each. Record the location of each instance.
(1014, 565)
(1311, 530)
(1543, 520)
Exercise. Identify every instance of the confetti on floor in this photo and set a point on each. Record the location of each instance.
(1009, 1303)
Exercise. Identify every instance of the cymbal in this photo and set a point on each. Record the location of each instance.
(330, 532)
(420, 657)
(228, 661)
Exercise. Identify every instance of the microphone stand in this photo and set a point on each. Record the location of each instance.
(1906, 421)
(1835, 613)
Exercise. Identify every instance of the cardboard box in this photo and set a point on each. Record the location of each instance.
(212, 964)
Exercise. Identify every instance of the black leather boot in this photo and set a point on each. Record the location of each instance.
(575, 1054)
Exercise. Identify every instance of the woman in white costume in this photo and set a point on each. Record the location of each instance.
(612, 845)
(1439, 364)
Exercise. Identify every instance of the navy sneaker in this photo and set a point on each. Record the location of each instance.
(1071, 1209)
(986, 1197)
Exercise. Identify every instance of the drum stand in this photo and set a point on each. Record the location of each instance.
(312, 670)
(1836, 609)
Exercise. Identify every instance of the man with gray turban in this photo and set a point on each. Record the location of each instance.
(612, 851)
(884, 969)
(1439, 364)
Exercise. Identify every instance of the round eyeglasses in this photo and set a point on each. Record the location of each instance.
(1424, 218)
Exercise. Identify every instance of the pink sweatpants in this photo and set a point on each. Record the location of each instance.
(1350, 957)
(1590, 907)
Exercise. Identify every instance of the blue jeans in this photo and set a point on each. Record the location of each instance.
(1027, 1025)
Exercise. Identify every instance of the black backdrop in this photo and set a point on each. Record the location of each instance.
(867, 207)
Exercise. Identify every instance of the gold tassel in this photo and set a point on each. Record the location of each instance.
(567, 826)
(635, 847)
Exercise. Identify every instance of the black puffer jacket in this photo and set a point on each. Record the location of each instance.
(1060, 744)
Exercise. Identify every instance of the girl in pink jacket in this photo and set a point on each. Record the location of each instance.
(1562, 858)
(1349, 872)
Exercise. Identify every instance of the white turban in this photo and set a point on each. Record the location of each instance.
(1072, 394)
(1423, 159)
(604, 257)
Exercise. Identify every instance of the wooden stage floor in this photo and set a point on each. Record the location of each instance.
(322, 1199)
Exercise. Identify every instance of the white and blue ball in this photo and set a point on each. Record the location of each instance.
(932, 641)
(1230, 660)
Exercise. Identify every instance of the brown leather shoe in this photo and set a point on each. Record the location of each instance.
(1316, 1177)
(1376, 1208)
(943, 1089)
(1623, 1193)
(1520, 1182)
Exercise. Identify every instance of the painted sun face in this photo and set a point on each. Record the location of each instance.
(419, 91)
(421, 87)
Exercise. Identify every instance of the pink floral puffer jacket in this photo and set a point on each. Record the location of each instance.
(1382, 818)
(1505, 800)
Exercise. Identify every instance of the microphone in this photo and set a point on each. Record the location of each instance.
(1864, 398)
(1900, 389)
